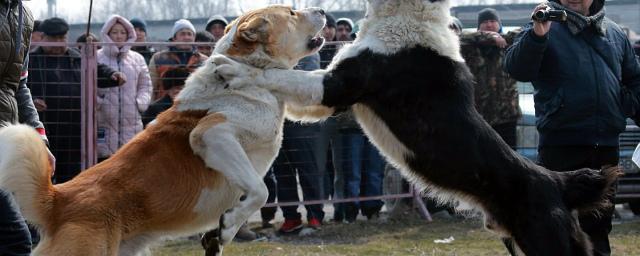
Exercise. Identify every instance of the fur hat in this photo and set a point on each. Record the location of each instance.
(216, 19)
(488, 14)
(180, 25)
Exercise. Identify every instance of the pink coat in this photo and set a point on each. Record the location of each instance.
(119, 107)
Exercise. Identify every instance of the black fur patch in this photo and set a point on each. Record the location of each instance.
(426, 100)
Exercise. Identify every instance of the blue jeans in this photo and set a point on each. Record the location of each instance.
(363, 172)
(303, 152)
(15, 239)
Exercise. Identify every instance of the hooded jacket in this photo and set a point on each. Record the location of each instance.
(119, 107)
(578, 81)
(15, 39)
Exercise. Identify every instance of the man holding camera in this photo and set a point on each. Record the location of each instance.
(587, 82)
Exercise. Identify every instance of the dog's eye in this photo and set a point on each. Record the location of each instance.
(292, 13)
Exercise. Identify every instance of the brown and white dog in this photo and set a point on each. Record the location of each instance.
(186, 170)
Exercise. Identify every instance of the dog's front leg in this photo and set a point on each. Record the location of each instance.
(215, 141)
(297, 87)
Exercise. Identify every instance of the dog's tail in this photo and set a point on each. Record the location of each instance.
(587, 189)
(25, 171)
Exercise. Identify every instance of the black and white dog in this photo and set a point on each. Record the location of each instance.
(411, 92)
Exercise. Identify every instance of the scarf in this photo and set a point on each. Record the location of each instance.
(578, 22)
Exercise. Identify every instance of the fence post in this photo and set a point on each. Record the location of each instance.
(418, 203)
(88, 121)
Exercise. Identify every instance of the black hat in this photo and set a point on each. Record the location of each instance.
(139, 23)
(54, 27)
(204, 36)
(216, 19)
(331, 22)
(36, 25)
(488, 14)
(83, 38)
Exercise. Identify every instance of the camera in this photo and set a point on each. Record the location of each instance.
(549, 15)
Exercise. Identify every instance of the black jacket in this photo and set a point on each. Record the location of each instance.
(155, 109)
(578, 81)
(15, 37)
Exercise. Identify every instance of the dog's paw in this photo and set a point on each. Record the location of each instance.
(211, 243)
(208, 238)
(237, 75)
(227, 234)
(215, 249)
(219, 59)
(228, 226)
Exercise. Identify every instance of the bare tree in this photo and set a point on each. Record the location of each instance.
(175, 9)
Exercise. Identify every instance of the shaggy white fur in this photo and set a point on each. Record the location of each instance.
(246, 143)
(389, 26)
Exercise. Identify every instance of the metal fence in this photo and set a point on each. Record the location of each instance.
(74, 106)
(316, 163)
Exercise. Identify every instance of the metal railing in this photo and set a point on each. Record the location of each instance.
(88, 126)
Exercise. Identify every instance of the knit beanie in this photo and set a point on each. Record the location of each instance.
(345, 21)
(216, 19)
(331, 21)
(180, 25)
(139, 23)
(488, 14)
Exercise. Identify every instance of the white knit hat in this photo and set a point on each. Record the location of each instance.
(182, 24)
(345, 20)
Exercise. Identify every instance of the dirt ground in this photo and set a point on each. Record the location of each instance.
(401, 234)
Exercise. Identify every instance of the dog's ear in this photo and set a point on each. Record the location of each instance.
(254, 29)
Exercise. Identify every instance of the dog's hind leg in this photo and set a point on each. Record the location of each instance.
(137, 246)
(215, 141)
(558, 233)
(79, 240)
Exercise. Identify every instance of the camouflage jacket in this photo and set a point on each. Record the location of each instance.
(496, 96)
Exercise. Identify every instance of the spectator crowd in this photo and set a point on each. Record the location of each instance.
(579, 117)
(135, 83)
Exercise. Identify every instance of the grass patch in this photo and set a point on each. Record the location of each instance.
(407, 235)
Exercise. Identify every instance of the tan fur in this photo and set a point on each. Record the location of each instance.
(204, 124)
(308, 113)
(161, 183)
(263, 29)
(260, 28)
(145, 187)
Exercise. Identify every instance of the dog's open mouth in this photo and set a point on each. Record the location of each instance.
(315, 42)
